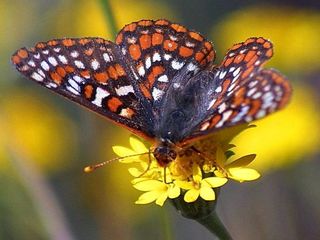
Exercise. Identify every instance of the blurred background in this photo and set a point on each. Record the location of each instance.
(45, 140)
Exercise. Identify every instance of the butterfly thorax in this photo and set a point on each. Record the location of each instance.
(165, 152)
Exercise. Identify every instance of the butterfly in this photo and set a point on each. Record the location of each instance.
(158, 80)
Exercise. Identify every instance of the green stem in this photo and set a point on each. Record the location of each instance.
(215, 226)
(109, 16)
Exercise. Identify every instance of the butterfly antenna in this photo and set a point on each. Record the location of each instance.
(92, 168)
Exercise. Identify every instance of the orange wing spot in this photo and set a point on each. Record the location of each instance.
(22, 53)
(170, 45)
(250, 55)
(239, 96)
(267, 44)
(252, 61)
(255, 106)
(208, 45)
(215, 120)
(99, 40)
(269, 53)
(114, 103)
(56, 77)
(52, 43)
(199, 56)
(145, 91)
(119, 38)
(15, 59)
(120, 70)
(145, 41)
(130, 28)
(228, 61)
(178, 27)
(196, 36)
(261, 40)
(250, 40)
(101, 77)
(69, 69)
(135, 51)
(88, 51)
(40, 45)
(247, 72)
(83, 41)
(88, 90)
(145, 23)
(236, 46)
(225, 85)
(85, 73)
(68, 42)
(113, 73)
(156, 71)
(210, 56)
(185, 51)
(61, 71)
(162, 22)
(239, 58)
(157, 39)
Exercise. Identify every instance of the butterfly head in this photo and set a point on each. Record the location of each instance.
(165, 152)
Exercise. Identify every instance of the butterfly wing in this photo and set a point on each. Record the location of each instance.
(244, 91)
(162, 54)
(91, 72)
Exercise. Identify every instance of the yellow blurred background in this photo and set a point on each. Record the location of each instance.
(45, 140)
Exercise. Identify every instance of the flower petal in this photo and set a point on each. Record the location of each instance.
(215, 181)
(135, 172)
(242, 162)
(173, 191)
(184, 184)
(191, 195)
(147, 197)
(244, 174)
(207, 193)
(196, 173)
(161, 199)
(137, 145)
(149, 185)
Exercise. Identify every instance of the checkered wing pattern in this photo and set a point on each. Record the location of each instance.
(161, 54)
(245, 92)
(91, 72)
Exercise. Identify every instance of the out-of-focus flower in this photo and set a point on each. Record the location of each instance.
(87, 17)
(37, 129)
(190, 175)
(294, 32)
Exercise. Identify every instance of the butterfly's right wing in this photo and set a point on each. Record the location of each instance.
(91, 72)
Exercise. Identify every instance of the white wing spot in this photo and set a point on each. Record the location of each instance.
(78, 79)
(204, 126)
(74, 54)
(257, 95)
(251, 91)
(37, 77)
(46, 52)
(157, 94)
(72, 90)
(167, 56)
(236, 72)
(192, 67)
(63, 59)
(156, 57)
(177, 65)
(141, 71)
(57, 49)
(124, 90)
(211, 103)
(74, 84)
(79, 64)
(222, 107)
(51, 85)
(53, 61)
(148, 62)
(218, 89)
(95, 64)
(163, 78)
(100, 94)
(261, 113)
(31, 63)
(37, 56)
(222, 74)
(45, 66)
(106, 57)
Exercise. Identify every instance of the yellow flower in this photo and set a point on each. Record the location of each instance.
(156, 190)
(199, 186)
(190, 175)
(236, 169)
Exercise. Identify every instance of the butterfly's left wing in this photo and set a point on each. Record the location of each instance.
(245, 91)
